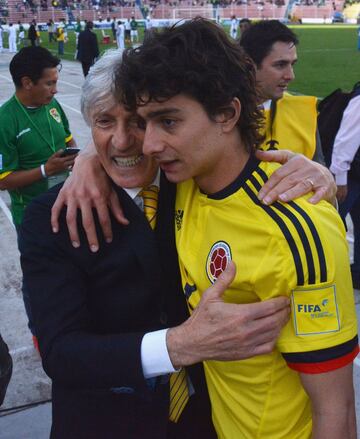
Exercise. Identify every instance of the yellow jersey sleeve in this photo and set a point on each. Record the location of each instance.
(308, 261)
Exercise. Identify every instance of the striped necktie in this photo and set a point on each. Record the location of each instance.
(179, 392)
(150, 197)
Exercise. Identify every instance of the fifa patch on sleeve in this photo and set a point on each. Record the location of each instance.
(315, 310)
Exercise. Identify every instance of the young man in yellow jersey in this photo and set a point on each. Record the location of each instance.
(195, 94)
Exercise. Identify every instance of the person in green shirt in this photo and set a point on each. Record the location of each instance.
(78, 29)
(34, 131)
(134, 31)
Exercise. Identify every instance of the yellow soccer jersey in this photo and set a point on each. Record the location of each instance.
(293, 249)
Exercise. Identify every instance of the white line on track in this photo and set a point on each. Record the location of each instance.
(6, 211)
(339, 49)
(68, 106)
(70, 96)
(60, 81)
(6, 78)
(69, 83)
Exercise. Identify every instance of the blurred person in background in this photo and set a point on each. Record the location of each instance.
(345, 165)
(12, 38)
(32, 36)
(120, 35)
(134, 31)
(51, 30)
(234, 24)
(87, 48)
(290, 121)
(60, 38)
(34, 134)
(244, 24)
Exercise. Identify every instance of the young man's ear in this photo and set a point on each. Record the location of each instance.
(229, 115)
(26, 82)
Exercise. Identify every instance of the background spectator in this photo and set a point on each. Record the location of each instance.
(87, 48)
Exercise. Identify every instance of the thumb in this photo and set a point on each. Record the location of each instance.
(222, 283)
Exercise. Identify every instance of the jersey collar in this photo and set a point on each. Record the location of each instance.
(233, 187)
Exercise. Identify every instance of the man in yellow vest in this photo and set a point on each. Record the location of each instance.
(290, 121)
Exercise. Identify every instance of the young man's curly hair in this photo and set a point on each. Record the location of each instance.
(196, 59)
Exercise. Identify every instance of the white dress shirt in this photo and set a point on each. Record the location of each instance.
(346, 142)
(155, 358)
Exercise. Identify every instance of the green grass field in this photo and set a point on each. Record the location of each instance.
(328, 57)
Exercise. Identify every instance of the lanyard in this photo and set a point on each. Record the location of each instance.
(52, 144)
(272, 142)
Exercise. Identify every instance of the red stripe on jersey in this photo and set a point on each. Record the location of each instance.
(325, 366)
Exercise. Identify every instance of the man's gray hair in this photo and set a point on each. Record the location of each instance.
(98, 90)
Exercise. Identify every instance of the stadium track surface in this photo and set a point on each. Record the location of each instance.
(29, 383)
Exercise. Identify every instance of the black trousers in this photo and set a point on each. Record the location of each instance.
(86, 67)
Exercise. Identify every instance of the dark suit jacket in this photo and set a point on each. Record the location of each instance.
(87, 47)
(91, 312)
(32, 33)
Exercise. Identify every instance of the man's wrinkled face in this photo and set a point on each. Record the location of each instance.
(276, 71)
(119, 145)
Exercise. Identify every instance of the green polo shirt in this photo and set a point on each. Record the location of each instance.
(28, 137)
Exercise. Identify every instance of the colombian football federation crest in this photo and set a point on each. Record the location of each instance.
(54, 113)
(217, 260)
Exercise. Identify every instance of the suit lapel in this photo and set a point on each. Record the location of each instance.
(142, 240)
(156, 251)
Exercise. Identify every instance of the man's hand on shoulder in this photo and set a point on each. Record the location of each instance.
(88, 187)
(224, 331)
(298, 176)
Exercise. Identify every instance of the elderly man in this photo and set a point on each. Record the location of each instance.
(102, 318)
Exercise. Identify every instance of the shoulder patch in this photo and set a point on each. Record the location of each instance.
(315, 310)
